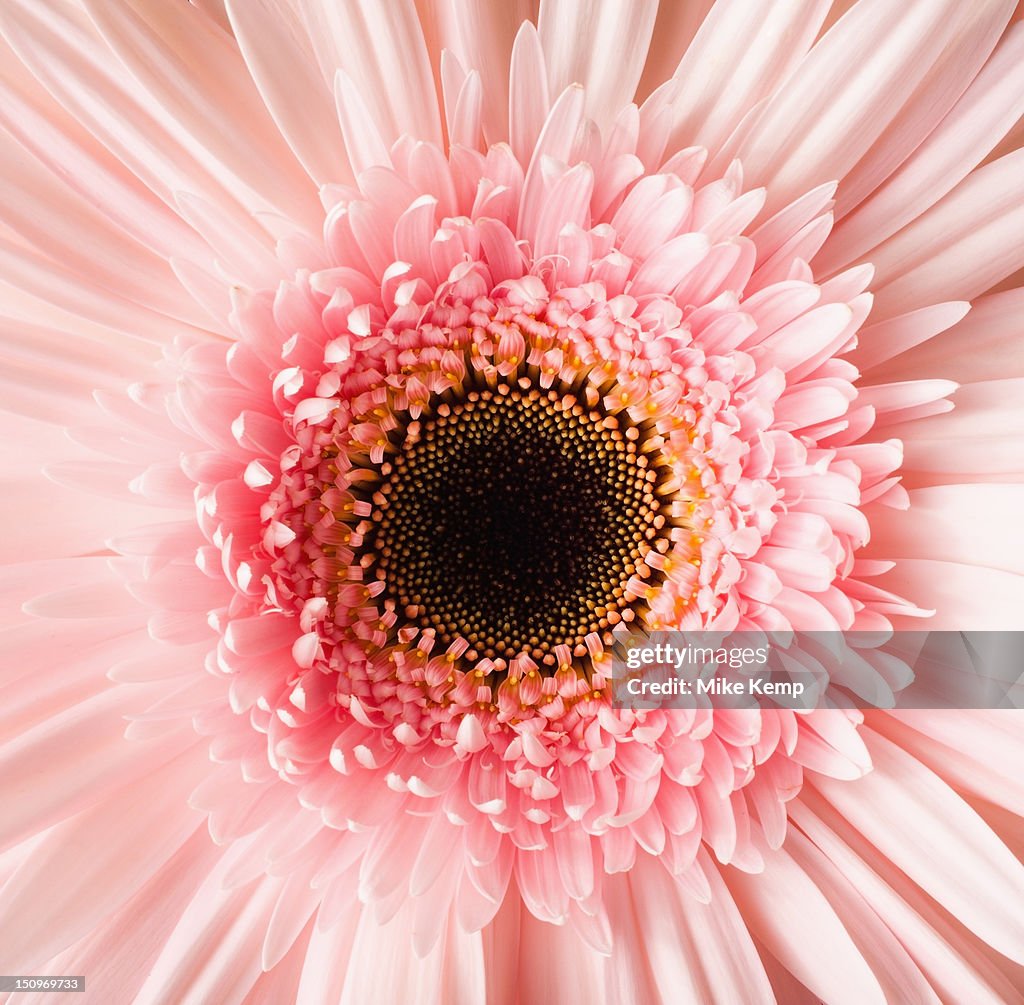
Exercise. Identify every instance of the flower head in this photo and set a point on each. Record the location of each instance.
(531, 375)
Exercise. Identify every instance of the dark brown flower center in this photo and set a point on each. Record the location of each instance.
(513, 519)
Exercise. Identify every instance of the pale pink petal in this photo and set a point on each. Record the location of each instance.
(926, 109)
(382, 958)
(963, 751)
(674, 31)
(481, 36)
(967, 597)
(118, 953)
(246, 253)
(896, 969)
(45, 39)
(879, 343)
(962, 246)
(364, 143)
(960, 141)
(281, 983)
(992, 536)
(791, 916)
(327, 958)
(602, 46)
(965, 868)
(841, 97)
(985, 345)
(376, 46)
(529, 102)
(160, 44)
(70, 763)
(114, 873)
(41, 277)
(547, 964)
(31, 390)
(734, 62)
(280, 57)
(60, 143)
(555, 142)
(959, 969)
(977, 436)
(193, 961)
(716, 937)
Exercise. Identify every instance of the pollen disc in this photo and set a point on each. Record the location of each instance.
(513, 519)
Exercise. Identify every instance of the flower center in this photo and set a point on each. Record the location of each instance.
(513, 519)
(488, 498)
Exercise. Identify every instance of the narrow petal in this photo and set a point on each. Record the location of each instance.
(481, 37)
(734, 62)
(990, 106)
(710, 955)
(377, 45)
(528, 101)
(91, 863)
(787, 912)
(965, 867)
(281, 59)
(841, 97)
(601, 46)
(961, 247)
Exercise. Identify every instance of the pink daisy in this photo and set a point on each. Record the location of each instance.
(408, 356)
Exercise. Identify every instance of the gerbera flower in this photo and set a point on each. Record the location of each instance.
(409, 356)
